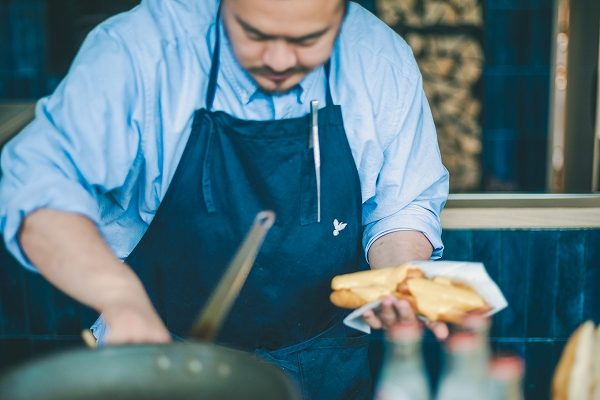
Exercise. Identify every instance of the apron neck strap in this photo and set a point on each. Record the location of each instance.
(214, 68)
(214, 64)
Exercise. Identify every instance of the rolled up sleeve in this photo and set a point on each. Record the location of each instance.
(81, 144)
(412, 185)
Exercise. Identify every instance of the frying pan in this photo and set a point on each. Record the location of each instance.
(179, 370)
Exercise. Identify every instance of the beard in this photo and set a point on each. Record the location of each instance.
(277, 86)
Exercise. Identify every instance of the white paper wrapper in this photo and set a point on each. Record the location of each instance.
(471, 273)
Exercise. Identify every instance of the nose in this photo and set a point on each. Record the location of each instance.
(279, 56)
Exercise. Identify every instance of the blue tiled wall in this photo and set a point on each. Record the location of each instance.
(551, 279)
(22, 48)
(516, 82)
(35, 318)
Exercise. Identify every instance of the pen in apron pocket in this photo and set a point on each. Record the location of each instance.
(314, 144)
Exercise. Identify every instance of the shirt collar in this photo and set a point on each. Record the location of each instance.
(243, 83)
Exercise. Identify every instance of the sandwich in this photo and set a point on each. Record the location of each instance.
(437, 298)
(577, 375)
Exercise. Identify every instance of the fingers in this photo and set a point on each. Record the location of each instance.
(393, 311)
(117, 336)
(134, 324)
(405, 311)
(372, 320)
(389, 313)
(439, 329)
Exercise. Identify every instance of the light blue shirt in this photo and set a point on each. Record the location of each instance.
(106, 143)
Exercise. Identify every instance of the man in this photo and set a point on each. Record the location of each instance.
(178, 122)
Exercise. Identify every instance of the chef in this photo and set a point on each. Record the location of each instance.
(179, 121)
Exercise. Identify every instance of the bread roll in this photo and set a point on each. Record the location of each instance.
(574, 375)
(441, 301)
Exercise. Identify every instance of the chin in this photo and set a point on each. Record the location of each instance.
(269, 86)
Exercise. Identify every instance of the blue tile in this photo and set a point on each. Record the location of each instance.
(508, 346)
(540, 360)
(531, 163)
(41, 309)
(518, 36)
(533, 104)
(458, 244)
(592, 276)
(500, 158)
(500, 93)
(485, 249)
(13, 305)
(503, 36)
(67, 315)
(571, 275)
(513, 280)
(87, 316)
(517, 4)
(543, 278)
(540, 38)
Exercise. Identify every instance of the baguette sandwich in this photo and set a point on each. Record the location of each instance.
(577, 376)
(437, 299)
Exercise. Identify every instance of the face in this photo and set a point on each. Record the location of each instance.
(280, 41)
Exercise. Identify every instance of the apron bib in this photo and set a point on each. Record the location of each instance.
(229, 171)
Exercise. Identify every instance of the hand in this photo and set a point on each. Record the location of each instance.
(133, 320)
(394, 310)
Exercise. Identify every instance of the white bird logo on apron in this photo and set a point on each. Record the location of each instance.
(338, 227)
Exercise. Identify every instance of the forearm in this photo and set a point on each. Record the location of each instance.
(70, 252)
(399, 247)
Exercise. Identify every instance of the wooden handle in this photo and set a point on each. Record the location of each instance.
(89, 339)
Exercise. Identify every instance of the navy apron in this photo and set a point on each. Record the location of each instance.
(229, 171)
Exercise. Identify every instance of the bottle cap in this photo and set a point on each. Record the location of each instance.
(507, 367)
(462, 342)
(475, 322)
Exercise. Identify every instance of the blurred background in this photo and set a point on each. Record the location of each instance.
(488, 68)
(513, 86)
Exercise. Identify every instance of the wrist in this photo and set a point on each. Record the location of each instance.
(119, 288)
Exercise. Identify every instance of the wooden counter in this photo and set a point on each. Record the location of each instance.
(13, 117)
(521, 211)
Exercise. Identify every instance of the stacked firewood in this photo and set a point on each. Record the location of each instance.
(445, 38)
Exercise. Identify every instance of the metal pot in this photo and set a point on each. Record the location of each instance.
(176, 371)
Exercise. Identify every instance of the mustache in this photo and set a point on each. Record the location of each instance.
(269, 71)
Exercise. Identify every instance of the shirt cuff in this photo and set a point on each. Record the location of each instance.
(59, 195)
(409, 219)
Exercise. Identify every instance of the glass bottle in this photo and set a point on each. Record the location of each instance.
(479, 325)
(506, 377)
(403, 375)
(466, 366)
